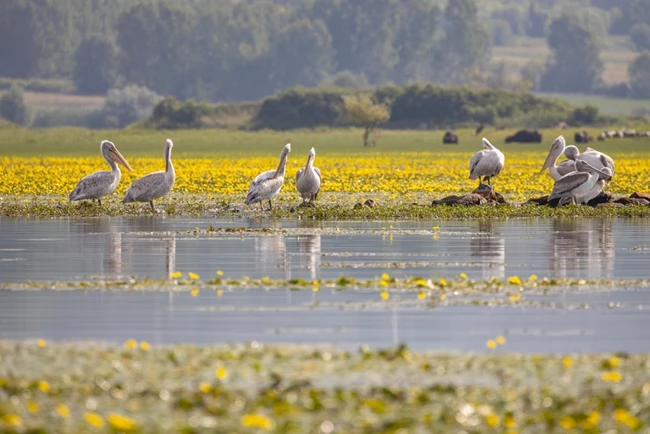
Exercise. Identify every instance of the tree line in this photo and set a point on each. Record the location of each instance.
(245, 50)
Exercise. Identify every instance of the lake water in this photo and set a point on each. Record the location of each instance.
(155, 247)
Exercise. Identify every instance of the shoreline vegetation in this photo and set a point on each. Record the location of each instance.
(252, 387)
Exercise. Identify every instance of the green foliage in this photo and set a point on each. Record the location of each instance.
(501, 32)
(12, 106)
(95, 65)
(347, 80)
(128, 105)
(361, 110)
(171, 114)
(575, 65)
(587, 115)
(640, 36)
(53, 85)
(301, 108)
(639, 72)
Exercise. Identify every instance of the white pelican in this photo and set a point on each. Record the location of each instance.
(487, 163)
(154, 185)
(308, 179)
(591, 156)
(576, 185)
(268, 184)
(102, 183)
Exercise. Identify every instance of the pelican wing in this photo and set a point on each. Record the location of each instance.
(568, 183)
(94, 186)
(264, 189)
(317, 170)
(566, 167)
(146, 188)
(299, 173)
(473, 163)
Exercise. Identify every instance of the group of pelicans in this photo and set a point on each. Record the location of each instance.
(578, 179)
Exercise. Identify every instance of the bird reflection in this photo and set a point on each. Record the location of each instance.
(110, 244)
(113, 259)
(170, 257)
(490, 247)
(582, 248)
(272, 251)
(309, 254)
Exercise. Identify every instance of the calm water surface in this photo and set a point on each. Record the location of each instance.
(155, 247)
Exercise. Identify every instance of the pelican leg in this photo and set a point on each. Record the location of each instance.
(151, 203)
(99, 200)
(270, 205)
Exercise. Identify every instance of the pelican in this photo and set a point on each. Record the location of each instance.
(102, 183)
(487, 163)
(154, 185)
(268, 184)
(576, 185)
(308, 179)
(591, 156)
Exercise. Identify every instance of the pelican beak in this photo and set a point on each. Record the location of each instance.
(550, 158)
(118, 158)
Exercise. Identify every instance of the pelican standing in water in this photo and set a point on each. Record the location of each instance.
(308, 179)
(591, 156)
(578, 184)
(154, 185)
(268, 184)
(102, 183)
(487, 163)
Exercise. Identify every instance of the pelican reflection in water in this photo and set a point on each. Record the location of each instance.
(102, 183)
(271, 256)
(309, 252)
(582, 248)
(490, 246)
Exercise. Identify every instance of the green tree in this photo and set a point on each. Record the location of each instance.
(12, 106)
(639, 73)
(640, 36)
(575, 64)
(466, 45)
(95, 65)
(362, 111)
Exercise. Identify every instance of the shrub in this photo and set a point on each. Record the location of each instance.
(172, 114)
(587, 115)
(128, 105)
(12, 106)
(53, 85)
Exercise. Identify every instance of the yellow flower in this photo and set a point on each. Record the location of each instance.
(12, 419)
(385, 276)
(144, 345)
(120, 422)
(94, 419)
(315, 288)
(221, 373)
(41, 343)
(443, 282)
(611, 377)
(32, 407)
(491, 344)
(514, 280)
(443, 297)
(44, 386)
(436, 228)
(567, 362)
(591, 421)
(501, 340)
(567, 422)
(509, 422)
(219, 292)
(622, 416)
(194, 292)
(131, 344)
(219, 273)
(492, 420)
(463, 276)
(422, 295)
(252, 420)
(384, 295)
(515, 297)
(532, 278)
(63, 411)
(205, 387)
(383, 284)
(193, 276)
(177, 275)
(614, 362)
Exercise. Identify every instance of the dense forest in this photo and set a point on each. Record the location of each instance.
(234, 50)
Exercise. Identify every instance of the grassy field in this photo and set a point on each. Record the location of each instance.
(608, 106)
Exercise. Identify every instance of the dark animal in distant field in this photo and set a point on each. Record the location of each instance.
(479, 130)
(582, 137)
(450, 138)
(525, 136)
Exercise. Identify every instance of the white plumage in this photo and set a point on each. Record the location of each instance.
(102, 183)
(308, 179)
(579, 184)
(268, 184)
(154, 185)
(487, 163)
(591, 156)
